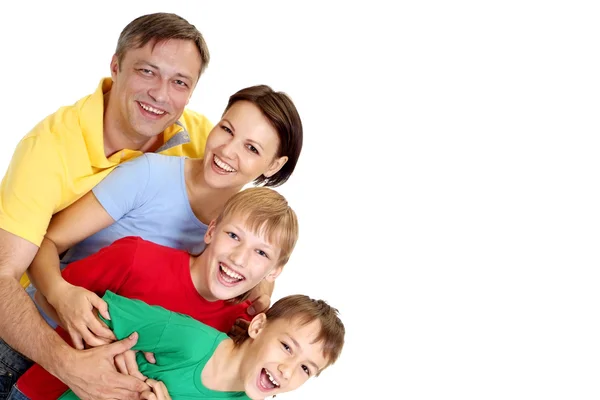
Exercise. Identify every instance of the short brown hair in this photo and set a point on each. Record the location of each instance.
(281, 112)
(305, 310)
(159, 27)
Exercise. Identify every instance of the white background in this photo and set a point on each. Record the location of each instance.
(448, 185)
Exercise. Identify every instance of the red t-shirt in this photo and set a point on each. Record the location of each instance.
(143, 270)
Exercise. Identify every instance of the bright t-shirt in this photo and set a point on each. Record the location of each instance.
(182, 347)
(147, 197)
(142, 270)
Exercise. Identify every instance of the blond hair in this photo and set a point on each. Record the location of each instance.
(266, 213)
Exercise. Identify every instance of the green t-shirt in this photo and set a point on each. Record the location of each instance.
(181, 345)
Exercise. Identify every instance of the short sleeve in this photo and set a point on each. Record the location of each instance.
(123, 189)
(129, 315)
(31, 189)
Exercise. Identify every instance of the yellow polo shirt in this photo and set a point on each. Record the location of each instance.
(62, 158)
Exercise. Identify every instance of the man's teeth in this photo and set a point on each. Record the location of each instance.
(223, 165)
(152, 109)
(231, 273)
(273, 381)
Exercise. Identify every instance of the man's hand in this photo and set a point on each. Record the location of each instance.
(127, 364)
(158, 392)
(92, 375)
(75, 308)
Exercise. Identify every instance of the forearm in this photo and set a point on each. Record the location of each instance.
(25, 330)
(44, 271)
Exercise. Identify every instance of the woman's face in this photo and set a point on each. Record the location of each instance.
(241, 147)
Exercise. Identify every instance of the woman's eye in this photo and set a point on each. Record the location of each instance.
(226, 129)
(252, 149)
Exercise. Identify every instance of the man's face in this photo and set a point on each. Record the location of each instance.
(282, 356)
(153, 84)
(237, 259)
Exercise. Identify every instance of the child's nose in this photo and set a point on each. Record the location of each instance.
(239, 256)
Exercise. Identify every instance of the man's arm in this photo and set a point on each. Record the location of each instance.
(91, 373)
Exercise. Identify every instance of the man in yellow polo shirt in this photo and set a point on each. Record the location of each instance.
(156, 66)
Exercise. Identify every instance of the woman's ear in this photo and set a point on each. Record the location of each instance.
(257, 324)
(275, 166)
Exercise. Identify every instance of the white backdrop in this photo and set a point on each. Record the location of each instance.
(448, 185)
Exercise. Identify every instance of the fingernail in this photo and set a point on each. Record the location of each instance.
(251, 310)
(133, 336)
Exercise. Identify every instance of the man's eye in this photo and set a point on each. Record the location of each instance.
(181, 83)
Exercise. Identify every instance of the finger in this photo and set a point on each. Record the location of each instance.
(76, 339)
(122, 345)
(132, 365)
(126, 383)
(118, 393)
(98, 328)
(150, 357)
(148, 395)
(259, 305)
(121, 364)
(161, 391)
(99, 304)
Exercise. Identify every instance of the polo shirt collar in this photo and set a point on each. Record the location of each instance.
(92, 123)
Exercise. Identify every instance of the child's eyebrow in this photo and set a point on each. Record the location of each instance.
(264, 243)
(300, 347)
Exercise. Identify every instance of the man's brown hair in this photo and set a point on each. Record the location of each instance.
(159, 27)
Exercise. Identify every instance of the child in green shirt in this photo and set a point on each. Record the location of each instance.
(297, 338)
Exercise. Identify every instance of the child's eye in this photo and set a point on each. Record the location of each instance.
(306, 370)
(232, 235)
(262, 253)
(286, 347)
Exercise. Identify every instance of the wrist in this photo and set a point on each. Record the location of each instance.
(61, 359)
(55, 290)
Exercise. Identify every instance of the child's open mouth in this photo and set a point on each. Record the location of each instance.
(228, 276)
(267, 381)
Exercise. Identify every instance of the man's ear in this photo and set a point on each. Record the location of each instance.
(275, 166)
(114, 67)
(271, 276)
(257, 324)
(210, 232)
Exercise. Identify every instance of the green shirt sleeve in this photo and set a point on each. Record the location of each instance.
(128, 316)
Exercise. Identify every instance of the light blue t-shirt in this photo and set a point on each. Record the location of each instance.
(146, 197)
